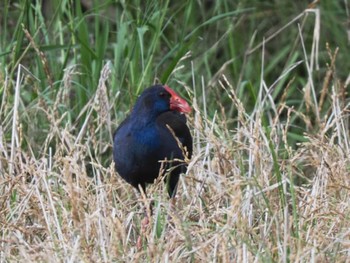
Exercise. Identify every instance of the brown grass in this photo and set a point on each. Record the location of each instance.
(232, 205)
(248, 195)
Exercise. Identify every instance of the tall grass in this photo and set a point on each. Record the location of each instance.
(269, 86)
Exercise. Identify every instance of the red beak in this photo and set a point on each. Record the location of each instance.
(176, 102)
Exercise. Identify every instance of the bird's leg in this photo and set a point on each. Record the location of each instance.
(172, 208)
(172, 202)
(145, 221)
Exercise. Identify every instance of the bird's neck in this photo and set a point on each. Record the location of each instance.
(144, 117)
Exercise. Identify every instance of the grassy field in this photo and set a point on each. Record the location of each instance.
(268, 82)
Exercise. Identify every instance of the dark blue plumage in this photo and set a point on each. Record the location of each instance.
(144, 139)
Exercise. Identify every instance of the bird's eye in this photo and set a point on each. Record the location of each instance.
(162, 94)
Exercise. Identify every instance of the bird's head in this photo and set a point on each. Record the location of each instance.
(161, 98)
(176, 102)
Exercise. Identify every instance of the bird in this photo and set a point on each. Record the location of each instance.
(154, 139)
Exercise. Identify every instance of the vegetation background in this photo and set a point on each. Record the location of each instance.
(268, 81)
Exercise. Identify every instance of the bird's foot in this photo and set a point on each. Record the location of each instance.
(144, 227)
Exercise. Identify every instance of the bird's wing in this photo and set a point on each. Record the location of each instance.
(177, 123)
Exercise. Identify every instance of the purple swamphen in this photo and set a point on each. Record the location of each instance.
(147, 137)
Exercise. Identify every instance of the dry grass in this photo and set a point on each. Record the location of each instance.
(247, 195)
